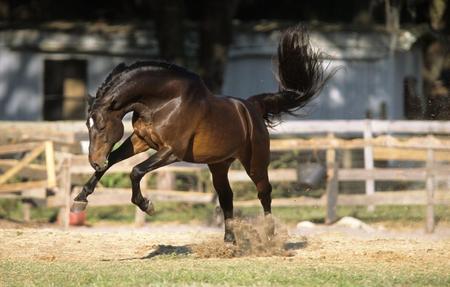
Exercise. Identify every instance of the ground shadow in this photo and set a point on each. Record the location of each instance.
(290, 246)
(168, 250)
(214, 249)
(160, 250)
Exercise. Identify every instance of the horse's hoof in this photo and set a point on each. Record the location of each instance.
(150, 210)
(78, 206)
(269, 226)
(229, 238)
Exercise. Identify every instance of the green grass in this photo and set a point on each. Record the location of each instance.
(186, 213)
(165, 212)
(203, 213)
(185, 270)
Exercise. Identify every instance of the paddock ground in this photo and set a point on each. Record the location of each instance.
(195, 255)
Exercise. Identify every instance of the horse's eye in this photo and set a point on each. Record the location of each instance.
(90, 122)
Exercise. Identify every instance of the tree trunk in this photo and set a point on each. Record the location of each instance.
(215, 37)
(169, 30)
(436, 11)
(4, 10)
(435, 53)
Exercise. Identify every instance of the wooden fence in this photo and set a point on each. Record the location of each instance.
(434, 152)
(420, 141)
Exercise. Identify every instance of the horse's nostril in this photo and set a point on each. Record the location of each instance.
(96, 166)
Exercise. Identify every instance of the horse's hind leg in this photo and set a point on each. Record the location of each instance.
(256, 166)
(264, 188)
(159, 159)
(221, 184)
(131, 146)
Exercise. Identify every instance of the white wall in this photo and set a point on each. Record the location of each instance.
(21, 80)
(358, 86)
(361, 84)
(20, 85)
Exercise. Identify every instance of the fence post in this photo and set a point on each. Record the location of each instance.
(165, 180)
(332, 183)
(368, 160)
(430, 185)
(66, 186)
(26, 209)
(50, 164)
(139, 216)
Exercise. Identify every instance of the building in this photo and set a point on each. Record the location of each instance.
(372, 67)
(45, 72)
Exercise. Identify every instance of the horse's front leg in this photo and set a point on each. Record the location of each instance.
(159, 159)
(131, 146)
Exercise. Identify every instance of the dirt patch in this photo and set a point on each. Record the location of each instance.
(9, 223)
(326, 246)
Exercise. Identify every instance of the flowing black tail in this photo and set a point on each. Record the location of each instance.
(300, 76)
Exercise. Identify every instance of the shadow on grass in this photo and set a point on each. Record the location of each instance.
(162, 250)
(291, 246)
(215, 250)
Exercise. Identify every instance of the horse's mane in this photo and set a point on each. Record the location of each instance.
(122, 69)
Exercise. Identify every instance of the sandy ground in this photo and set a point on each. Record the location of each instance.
(320, 244)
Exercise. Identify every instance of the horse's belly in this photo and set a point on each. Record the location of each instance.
(222, 134)
(216, 145)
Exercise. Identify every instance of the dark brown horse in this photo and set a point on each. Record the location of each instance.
(175, 114)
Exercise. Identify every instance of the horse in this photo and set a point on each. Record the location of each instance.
(176, 115)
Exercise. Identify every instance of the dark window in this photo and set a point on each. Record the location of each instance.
(64, 90)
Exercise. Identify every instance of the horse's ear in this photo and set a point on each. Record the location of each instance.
(90, 100)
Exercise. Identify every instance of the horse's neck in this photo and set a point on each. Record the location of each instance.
(136, 107)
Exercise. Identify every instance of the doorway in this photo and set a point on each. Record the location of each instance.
(65, 89)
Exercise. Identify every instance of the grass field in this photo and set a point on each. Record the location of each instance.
(391, 216)
(179, 255)
(176, 271)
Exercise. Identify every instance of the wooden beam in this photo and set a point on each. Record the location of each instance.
(74, 131)
(392, 198)
(357, 126)
(405, 154)
(17, 148)
(293, 201)
(332, 185)
(416, 197)
(23, 162)
(430, 185)
(275, 175)
(15, 187)
(26, 210)
(119, 196)
(354, 174)
(368, 162)
(80, 165)
(50, 164)
(31, 171)
(65, 193)
(391, 174)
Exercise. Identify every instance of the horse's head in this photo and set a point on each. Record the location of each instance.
(105, 129)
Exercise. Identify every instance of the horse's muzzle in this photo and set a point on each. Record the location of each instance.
(100, 168)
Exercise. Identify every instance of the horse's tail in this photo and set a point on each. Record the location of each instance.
(300, 76)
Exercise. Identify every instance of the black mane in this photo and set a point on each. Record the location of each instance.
(122, 69)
